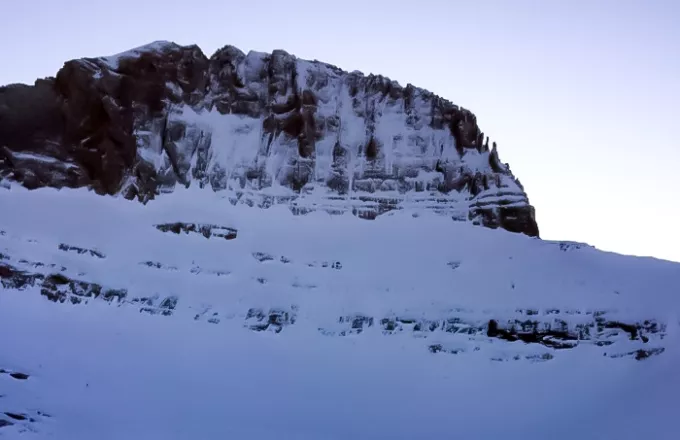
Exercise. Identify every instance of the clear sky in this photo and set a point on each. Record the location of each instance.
(582, 96)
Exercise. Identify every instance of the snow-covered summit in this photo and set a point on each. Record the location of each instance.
(263, 128)
(160, 46)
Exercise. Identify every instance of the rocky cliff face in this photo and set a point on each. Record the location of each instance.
(264, 128)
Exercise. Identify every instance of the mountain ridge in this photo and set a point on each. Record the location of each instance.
(268, 128)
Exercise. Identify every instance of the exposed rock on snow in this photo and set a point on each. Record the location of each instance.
(13, 278)
(15, 374)
(264, 128)
(205, 230)
(25, 421)
(640, 354)
(273, 320)
(158, 265)
(20, 421)
(551, 328)
(79, 250)
(153, 306)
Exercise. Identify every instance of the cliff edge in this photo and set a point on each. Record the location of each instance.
(266, 128)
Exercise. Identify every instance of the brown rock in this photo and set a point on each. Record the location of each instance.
(100, 120)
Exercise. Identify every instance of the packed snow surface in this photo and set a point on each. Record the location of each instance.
(265, 324)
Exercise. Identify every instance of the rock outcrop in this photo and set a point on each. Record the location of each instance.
(266, 128)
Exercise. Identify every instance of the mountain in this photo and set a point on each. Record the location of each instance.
(266, 128)
(214, 309)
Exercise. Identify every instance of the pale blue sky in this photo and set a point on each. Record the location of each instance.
(582, 96)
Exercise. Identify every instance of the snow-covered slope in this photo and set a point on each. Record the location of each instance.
(190, 317)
